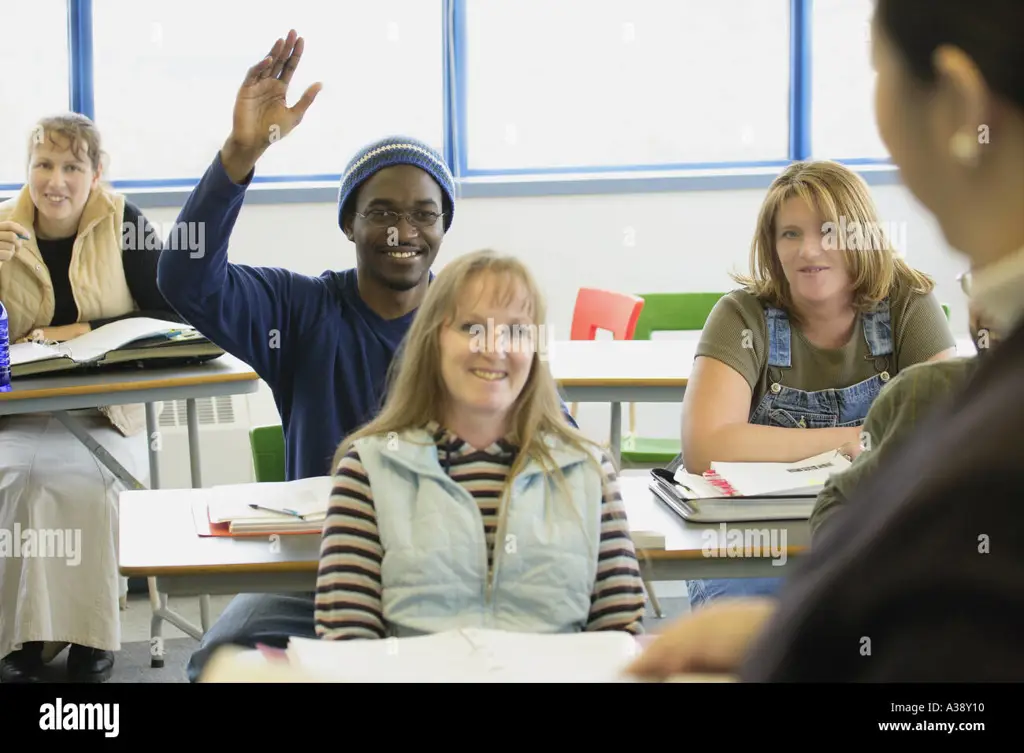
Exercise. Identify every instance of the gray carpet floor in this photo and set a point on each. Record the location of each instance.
(132, 661)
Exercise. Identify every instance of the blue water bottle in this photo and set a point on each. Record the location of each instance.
(5, 352)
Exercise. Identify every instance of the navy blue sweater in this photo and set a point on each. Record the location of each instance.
(323, 351)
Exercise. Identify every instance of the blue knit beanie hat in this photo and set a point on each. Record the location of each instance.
(396, 150)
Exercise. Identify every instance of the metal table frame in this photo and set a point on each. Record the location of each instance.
(59, 407)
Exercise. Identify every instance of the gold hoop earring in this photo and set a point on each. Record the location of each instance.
(964, 147)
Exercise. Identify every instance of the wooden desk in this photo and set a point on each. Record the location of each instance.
(158, 539)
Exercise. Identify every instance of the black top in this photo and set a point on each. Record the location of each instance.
(920, 577)
(140, 253)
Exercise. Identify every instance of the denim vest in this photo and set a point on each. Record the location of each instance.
(434, 570)
(848, 406)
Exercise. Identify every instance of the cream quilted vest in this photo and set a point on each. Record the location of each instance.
(97, 278)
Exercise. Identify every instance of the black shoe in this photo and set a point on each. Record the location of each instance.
(23, 665)
(87, 664)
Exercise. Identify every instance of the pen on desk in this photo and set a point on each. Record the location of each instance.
(283, 511)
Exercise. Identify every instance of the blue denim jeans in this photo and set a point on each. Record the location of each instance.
(270, 619)
(703, 591)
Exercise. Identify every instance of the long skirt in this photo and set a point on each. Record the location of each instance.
(59, 579)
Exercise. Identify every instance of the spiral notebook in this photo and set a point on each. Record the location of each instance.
(738, 492)
(137, 340)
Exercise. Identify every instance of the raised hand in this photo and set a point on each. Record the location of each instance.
(261, 115)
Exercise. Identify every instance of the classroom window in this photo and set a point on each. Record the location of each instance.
(34, 58)
(166, 73)
(843, 82)
(596, 84)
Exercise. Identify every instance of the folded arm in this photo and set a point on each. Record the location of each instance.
(715, 425)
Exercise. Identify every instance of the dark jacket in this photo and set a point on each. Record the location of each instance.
(921, 577)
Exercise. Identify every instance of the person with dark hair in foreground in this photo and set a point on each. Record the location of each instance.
(920, 580)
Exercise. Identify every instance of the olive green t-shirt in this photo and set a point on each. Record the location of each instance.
(900, 406)
(736, 333)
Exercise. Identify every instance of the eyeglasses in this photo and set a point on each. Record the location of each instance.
(387, 218)
(964, 278)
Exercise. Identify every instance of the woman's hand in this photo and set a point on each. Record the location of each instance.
(261, 115)
(854, 447)
(12, 236)
(56, 334)
(714, 639)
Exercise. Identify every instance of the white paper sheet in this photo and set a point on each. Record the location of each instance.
(470, 655)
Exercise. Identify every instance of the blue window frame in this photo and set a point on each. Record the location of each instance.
(524, 97)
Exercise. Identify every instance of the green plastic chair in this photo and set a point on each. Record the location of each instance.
(663, 312)
(267, 443)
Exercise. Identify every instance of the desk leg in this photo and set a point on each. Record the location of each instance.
(193, 444)
(152, 433)
(156, 640)
(616, 434)
(98, 450)
(197, 483)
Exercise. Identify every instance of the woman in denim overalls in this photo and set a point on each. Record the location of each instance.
(790, 408)
(805, 288)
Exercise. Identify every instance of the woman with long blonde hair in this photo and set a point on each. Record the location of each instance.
(788, 365)
(469, 501)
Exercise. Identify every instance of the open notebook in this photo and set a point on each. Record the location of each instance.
(232, 664)
(469, 655)
(139, 339)
(276, 507)
(735, 492)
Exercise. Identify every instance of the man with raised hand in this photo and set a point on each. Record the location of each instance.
(323, 344)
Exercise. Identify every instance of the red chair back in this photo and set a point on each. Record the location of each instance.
(605, 309)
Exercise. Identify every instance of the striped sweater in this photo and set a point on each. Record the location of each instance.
(348, 595)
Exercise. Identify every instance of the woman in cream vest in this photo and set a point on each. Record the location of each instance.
(63, 272)
(469, 501)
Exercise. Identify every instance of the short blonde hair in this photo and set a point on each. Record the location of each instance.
(78, 130)
(839, 195)
(417, 393)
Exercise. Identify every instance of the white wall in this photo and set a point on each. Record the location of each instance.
(680, 242)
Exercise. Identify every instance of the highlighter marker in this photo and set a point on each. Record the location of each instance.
(23, 237)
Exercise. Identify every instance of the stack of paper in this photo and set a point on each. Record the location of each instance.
(282, 507)
(802, 478)
(736, 492)
(470, 655)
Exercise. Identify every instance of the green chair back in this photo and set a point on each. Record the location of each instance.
(267, 443)
(674, 312)
(663, 312)
(945, 307)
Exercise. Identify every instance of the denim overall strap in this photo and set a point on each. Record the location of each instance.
(877, 326)
(779, 349)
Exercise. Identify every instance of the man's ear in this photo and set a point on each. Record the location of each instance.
(346, 226)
